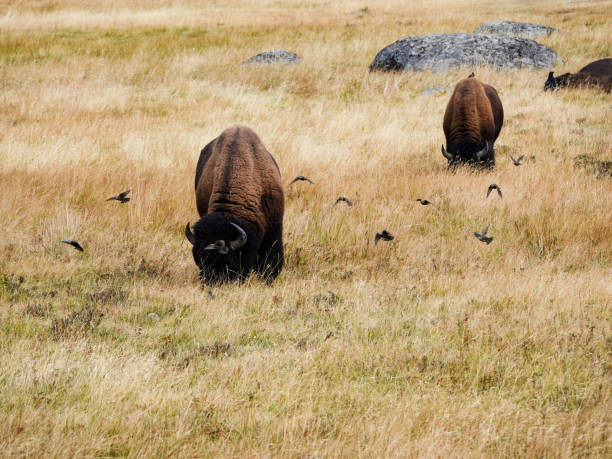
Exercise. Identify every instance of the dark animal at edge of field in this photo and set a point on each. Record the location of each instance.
(595, 74)
(472, 121)
(241, 203)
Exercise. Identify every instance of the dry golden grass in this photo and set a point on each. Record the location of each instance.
(439, 345)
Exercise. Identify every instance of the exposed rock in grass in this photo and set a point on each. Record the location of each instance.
(517, 29)
(277, 56)
(441, 52)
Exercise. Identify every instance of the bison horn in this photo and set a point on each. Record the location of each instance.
(237, 243)
(447, 155)
(189, 235)
(482, 154)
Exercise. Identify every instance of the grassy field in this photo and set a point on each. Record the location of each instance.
(434, 344)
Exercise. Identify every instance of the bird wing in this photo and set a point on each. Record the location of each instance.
(489, 191)
(520, 157)
(513, 160)
(376, 238)
(484, 231)
(124, 193)
(499, 192)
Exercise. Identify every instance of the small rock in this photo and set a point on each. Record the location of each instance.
(516, 29)
(432, 90)
(153, 316)
(278, 56)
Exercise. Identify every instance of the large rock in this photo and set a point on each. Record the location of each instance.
(277, 56)
(517, 29)
(441, 52)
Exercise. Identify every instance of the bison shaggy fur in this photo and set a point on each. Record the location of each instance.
(472, 122)
(240, 200)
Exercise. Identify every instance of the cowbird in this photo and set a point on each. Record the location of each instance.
(551, 82)
(492, 187)
(472, 75)
(301, 178)
(517, 162)
(384, 235)
(483, 236)
(121, 197)
(345, 199)
(74, 244)
(424, 202)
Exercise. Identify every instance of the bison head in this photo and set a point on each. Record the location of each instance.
(485, 156)
(219, 248)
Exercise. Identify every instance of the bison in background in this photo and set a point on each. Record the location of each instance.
(595, 74)
(240, 200)
(472, 121)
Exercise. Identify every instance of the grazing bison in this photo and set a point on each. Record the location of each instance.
(598, 73)
(472, 121)
(240, 200)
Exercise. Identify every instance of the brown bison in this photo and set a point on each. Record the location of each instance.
(240, 200)
(472, 121)
(598, 73)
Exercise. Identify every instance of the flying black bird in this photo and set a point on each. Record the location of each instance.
(492, 187)
(517, 162)
(301, 178)
(551, 82)
(345, 199)
(483, 236)
(384, 235)
(74, 244)
(472, 75)
(121, 197)
(424, 202)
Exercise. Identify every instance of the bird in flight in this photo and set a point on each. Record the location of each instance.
(424, 202)
(302, 179)
(121, 197)
(384, 235)
(483, 236)
(345, 199)
(74, 244)
(492, 187)
(517, 162)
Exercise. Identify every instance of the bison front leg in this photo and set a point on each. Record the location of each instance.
(270, 257)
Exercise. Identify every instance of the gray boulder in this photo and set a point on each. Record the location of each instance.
(441, 52)
(277, 56)
(517, 29)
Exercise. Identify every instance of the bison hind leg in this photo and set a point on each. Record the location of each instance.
(270, 257)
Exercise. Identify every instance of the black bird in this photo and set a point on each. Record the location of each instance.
(424, 202)
(551, 82)
(517, 162)
(345, 199)
(492, 187)
(384, 235)
(121, 197)
(472, 75)
(483, 236)
(301, 178)
(74, 244)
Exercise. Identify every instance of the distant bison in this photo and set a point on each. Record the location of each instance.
(240, 200)
(597, 74)
(472, 121)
